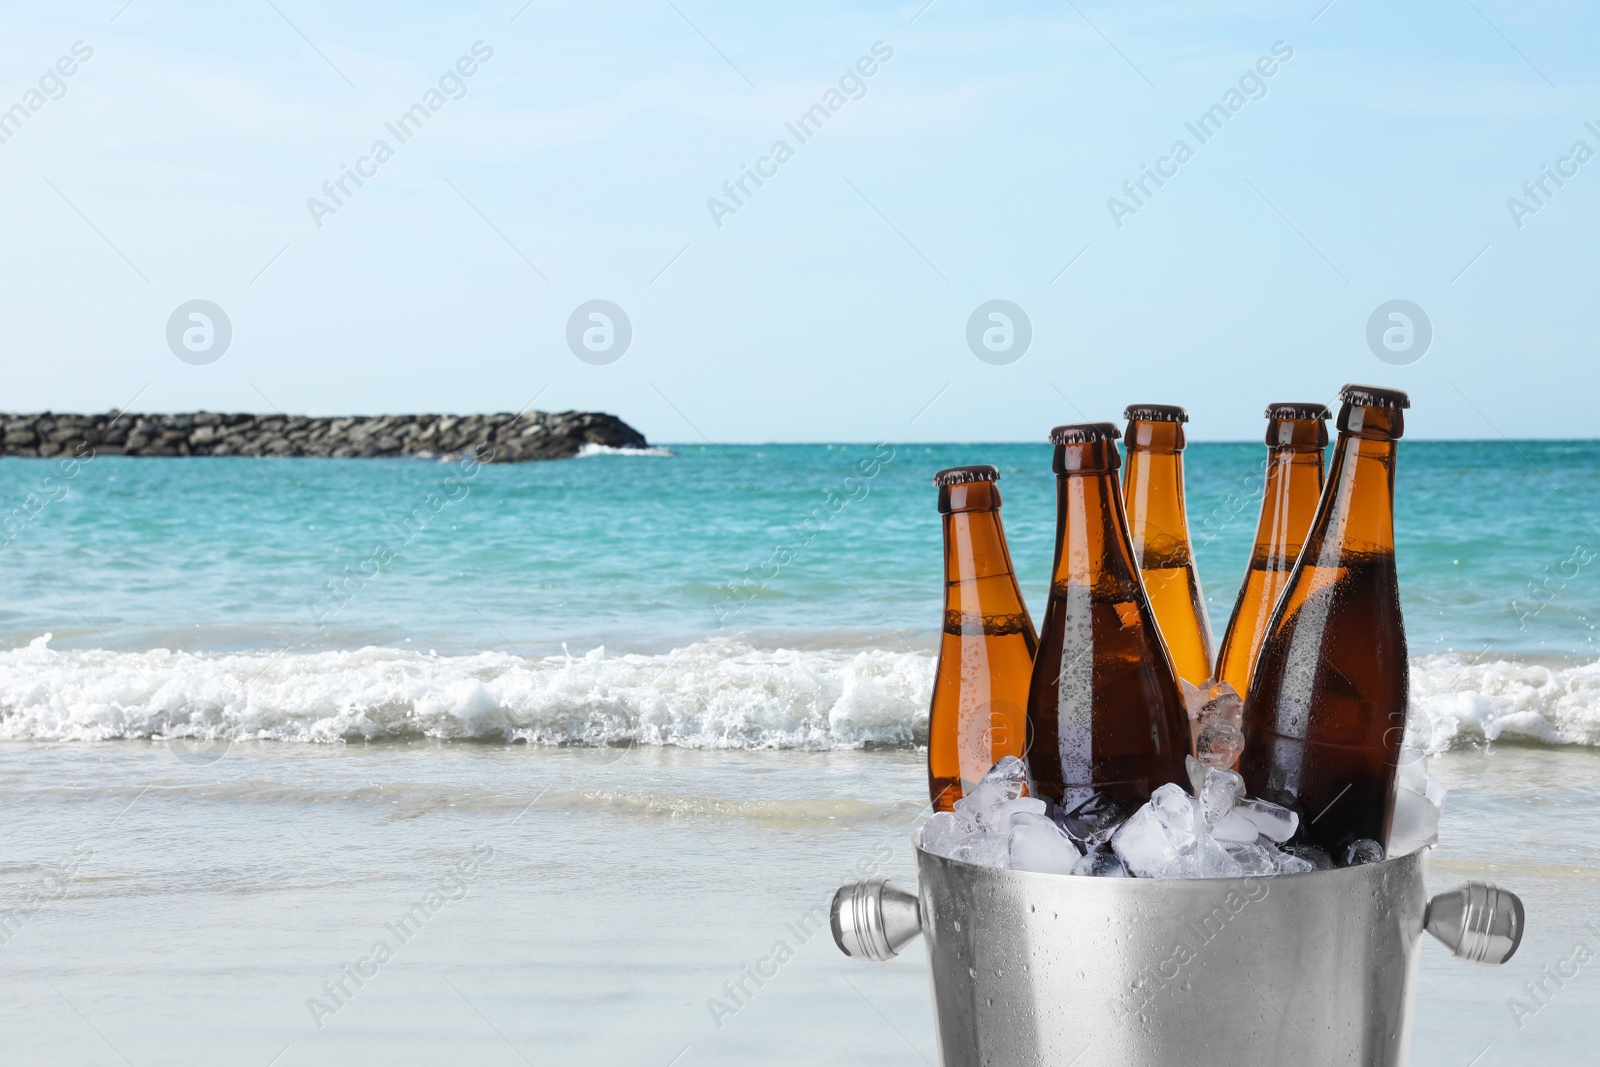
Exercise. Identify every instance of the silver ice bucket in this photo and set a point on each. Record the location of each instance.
(1094, 972)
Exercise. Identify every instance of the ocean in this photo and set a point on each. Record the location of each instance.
(630, 718)
(714, 597)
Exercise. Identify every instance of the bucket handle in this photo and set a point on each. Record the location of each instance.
(874, 919)
(1480, 922)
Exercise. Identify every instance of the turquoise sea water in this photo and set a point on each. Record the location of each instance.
(806, 573)
(639, 552)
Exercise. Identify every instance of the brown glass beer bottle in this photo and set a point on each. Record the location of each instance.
(1297, 435)
(1326, 711)
(980, 692)
(1152, 487)
(1105, 714)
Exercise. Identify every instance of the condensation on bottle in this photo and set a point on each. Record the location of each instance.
(1158, 526)
(1325, 715)
(986, 645)
(1105, 713)
(1297, 440)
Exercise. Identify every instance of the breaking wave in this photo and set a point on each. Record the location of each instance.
(590, 448)
(709, 695)
(1463, 703)
(706, 695)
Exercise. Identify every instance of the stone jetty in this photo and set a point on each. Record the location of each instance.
(502, 438)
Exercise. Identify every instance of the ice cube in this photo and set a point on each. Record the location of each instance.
(1038, 845)
(944, 832)
(1418, 802)
(1193, 699)
(1435, 791)
(989, 850)
(1008, 773)
(1143, 844)
(1219, 743)
(1101, 864)
(1235, 829)
(1362, 851)
(1092, 823)
(1413, 769)
(1415, 825)
(1006, 780)
(1218, 793)
(1204, 857)
(1257, 859)
(1175, 809)
(1318, 859)
(1002, 817)
(976, 804)
(1275, 823)
(1222, 702)
(1289, 863)
(1197, 774)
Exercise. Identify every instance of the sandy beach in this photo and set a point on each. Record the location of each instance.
(211, 902)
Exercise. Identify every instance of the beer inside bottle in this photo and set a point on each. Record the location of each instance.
(1326, 711)
(1297, 436)
(980, 692)
(1105, 714)
(1152, 486)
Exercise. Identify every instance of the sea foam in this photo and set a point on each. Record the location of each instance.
(1458, 702)
(710, 694)
(592, 448)
(705, 695)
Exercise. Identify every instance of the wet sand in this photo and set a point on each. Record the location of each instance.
(590, 905)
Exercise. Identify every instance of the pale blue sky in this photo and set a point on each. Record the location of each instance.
(975, 165)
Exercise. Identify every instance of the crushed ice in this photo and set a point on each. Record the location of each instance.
(1211, 830)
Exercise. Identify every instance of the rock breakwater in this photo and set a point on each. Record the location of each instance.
(500, 438)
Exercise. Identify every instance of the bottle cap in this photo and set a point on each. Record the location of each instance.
(1372, 396)
(1155, 413)
(1082, 433)
(1299, 411)
(979, 472)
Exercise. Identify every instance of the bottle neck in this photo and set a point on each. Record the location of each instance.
(981, 595)
(1356, 516)
(975, 547)
(1092, 548)
(1158, 525)
(1293, 486)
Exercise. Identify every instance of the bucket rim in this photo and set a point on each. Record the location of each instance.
(1392, 865)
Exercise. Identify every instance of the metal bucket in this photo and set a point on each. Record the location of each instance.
(1058, 970)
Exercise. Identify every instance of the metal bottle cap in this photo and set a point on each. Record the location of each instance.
(1374, 396)
(874, 919)
(1155, 413)
(1302, 410)
(1479, 922)
(1082, 433)
(978, 472)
